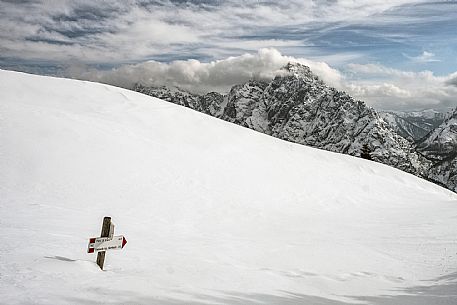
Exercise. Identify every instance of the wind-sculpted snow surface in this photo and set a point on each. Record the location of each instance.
(214, 213)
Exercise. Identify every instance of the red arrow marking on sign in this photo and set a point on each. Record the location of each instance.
(124, 241)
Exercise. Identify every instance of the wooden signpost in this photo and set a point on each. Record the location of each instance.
(106, 241)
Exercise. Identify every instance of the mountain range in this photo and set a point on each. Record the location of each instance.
(299, 107)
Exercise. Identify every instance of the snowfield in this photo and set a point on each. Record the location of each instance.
(213, 213)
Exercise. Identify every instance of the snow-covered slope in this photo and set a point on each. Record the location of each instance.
(299, 107)
(213, 213)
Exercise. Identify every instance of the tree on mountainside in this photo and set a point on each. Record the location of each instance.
(366, 152)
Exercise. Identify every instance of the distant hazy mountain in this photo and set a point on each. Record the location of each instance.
(413, 125)
(300, 108)
(440, 147)
(441, 143)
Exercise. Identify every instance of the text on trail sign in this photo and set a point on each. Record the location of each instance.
(106, 243)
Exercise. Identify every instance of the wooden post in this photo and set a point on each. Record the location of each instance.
(106, 228)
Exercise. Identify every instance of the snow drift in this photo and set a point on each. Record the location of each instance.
(214, 213)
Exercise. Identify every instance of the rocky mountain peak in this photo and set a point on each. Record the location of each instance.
(297, 68)
(300, 72)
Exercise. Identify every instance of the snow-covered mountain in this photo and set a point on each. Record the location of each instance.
(441, 143)
(440, 146)
(413, 125)
(300, 108)
(214, 213)
(428, 118)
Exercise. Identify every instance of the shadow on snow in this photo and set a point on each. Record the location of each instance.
(443, 293)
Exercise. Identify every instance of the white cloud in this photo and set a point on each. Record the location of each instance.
(425, 57)
(384, 90)
(392, 89)
(379, 86)
(452, 80)
(197, 76)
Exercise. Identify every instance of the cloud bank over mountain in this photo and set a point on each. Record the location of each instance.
(201, 77)
(379, 86)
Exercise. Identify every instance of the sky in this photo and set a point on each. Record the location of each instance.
(392, 54)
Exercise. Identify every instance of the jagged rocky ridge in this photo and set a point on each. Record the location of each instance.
(300, 108)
